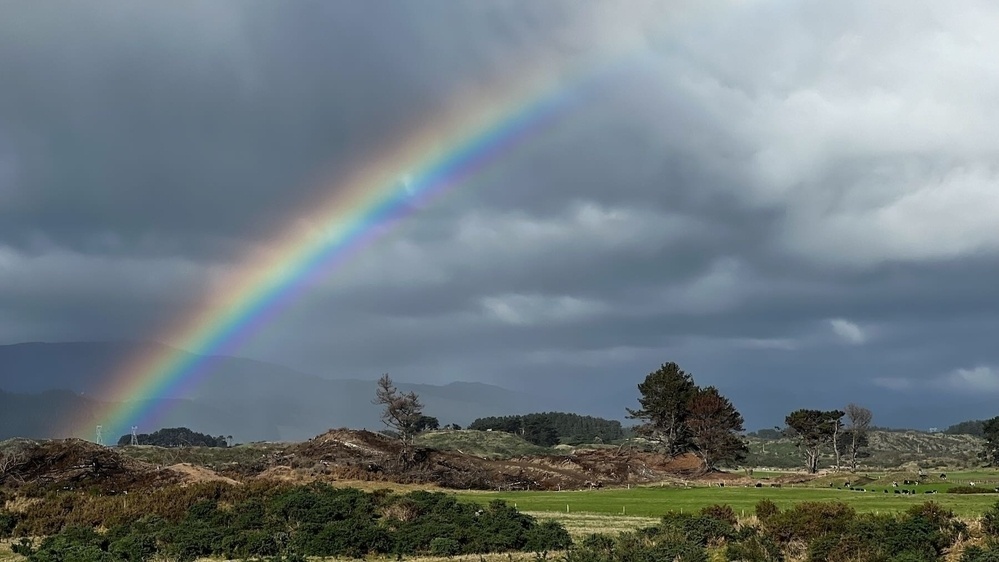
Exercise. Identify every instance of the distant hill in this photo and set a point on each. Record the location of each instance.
(887, 449)
(250, 400)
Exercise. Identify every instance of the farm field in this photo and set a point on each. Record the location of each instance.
(654, 501)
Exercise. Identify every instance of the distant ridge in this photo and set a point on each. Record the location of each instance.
(42, 383)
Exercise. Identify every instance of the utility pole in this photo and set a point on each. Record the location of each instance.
(135, 435)
(100, 434)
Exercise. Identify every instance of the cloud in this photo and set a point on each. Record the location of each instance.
(739, 188)
(535, 309)
(974, 380)
(977, 379)
(848, 331)
(782, 344)
(893, 383)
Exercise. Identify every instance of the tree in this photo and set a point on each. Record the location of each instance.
(665, 394)
(175, 437)
(970, 427)
(714, 426)
(990, 452)
(539, 431)
(427, 423)
(837, 427)
(402, 411)
(12, 456)
(860, 422)
(813, 429)
(769, 434)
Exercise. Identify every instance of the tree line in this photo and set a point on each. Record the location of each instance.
(176, 437)
(681, 417)
(551, 428)
(678, 417)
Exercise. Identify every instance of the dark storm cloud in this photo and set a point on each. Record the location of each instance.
(797, 203)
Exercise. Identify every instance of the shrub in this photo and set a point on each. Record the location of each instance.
(807, 521)
(441, 546)
(754, 549)
(8, 521)
(979, 554)
(697, 529)
(970, 490)
(546, 536)
(635, 547)
(765, 509)
(721, 512)
(134, 548)
(990, 521)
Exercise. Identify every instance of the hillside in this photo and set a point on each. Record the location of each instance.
(340, 455)
(888, 449)
(484, 444)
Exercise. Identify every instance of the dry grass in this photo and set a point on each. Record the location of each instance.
(5, 553)
(581, 525)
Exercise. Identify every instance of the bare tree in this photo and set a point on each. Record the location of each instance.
(837, 428)
(860, 422)
(402, 411)
(12, 456)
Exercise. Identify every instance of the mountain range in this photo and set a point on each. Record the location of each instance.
(44, 384)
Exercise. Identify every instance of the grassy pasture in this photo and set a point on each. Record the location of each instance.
(655, 501)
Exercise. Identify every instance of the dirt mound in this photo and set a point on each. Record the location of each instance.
(78, 464)
(345, 454)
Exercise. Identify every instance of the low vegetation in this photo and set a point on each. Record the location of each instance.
(831, 532)
(270, 520)
(484, 444)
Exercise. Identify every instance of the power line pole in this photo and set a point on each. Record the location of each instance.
(135, 435)
(100, 435)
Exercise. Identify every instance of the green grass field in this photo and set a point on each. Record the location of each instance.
(655, 501)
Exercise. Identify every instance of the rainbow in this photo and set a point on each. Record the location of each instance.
(441, 156)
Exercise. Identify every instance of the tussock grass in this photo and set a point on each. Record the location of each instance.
(581, 525)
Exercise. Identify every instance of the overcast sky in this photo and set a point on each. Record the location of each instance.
(796, 201)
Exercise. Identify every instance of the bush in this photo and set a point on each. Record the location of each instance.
(979, 554)
(441, 546)
(634, 547)
(547, 536)
(990, 521)
(720, 512)
(8, 521)
(765, 509)
(970, 490)
(808, 521)
(697, 529)
(754, 549)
